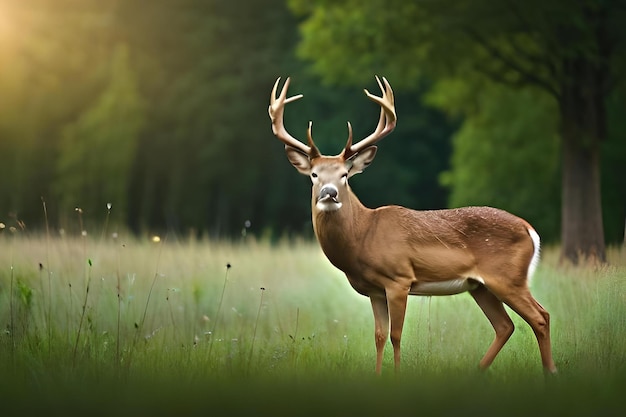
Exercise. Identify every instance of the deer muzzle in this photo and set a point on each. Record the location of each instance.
(327, 198)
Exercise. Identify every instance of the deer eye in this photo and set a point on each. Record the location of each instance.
(313, 175)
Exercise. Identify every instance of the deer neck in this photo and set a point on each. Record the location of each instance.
(339, 232)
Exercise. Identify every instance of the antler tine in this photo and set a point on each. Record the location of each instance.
(276, 111)
(349, 143)
(386, 122)
(314, 152)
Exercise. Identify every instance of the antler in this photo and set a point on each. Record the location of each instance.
(276, 111)
(386, 122)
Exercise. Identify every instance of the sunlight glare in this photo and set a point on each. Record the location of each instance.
(7, 27)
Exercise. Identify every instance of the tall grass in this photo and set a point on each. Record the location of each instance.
(262, 328)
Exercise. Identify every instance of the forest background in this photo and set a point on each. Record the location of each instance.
(151, 115)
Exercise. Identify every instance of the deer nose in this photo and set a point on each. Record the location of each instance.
(329, 191)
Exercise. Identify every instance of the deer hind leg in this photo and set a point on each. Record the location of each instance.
(381, 326)
(523, 303)
(500, 320)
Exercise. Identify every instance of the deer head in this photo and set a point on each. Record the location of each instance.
(329, 174)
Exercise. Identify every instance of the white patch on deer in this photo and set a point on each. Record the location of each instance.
(535, 259)
(448, 287)
(328, 204)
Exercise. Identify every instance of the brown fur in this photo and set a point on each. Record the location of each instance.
(386, 253)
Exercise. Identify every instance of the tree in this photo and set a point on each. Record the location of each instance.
(208, 79)
(93, 168)
(50, 54)
(569, 51)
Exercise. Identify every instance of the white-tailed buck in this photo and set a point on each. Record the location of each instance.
(392, 252)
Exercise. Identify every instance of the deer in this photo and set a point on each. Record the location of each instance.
(391, 252)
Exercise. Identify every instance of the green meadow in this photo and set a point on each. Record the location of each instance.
(118, 325)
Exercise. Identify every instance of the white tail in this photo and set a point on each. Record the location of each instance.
(536, 254)
(392, 252)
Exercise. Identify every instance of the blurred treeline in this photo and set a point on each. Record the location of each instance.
(160, 109)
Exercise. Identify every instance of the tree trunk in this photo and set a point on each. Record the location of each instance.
(582, 233)
(583, 121)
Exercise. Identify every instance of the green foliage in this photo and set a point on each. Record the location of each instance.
(348, 40)
(97, 150)
(51, 55)
(25, 294)
(208, 113)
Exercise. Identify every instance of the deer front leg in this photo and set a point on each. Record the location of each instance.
(397, 297)
(381, 326)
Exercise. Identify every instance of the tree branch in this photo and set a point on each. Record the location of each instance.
(499, 76)
(541, 60)
(549, 42)
(510, 62)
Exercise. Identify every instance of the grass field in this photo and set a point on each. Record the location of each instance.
(124, 326)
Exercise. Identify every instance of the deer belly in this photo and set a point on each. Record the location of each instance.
(448, 287)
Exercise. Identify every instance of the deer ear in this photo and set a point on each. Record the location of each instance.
(299, 160)
(361, 160)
